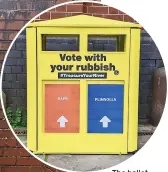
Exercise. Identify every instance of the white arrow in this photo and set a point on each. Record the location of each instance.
(105, 120)
(62, 120)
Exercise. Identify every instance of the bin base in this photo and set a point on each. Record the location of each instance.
(103, 153)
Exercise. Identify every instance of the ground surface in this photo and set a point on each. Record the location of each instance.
(91, 162)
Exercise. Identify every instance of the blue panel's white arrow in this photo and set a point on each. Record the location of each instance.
(105, 120)
(62, 120)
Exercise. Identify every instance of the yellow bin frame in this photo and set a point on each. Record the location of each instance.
(38, 74)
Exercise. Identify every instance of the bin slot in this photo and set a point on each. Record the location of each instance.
(106, 43)
(60, 42)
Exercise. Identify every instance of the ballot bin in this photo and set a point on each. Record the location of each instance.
(82, 85)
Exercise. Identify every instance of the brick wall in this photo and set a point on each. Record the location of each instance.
(13, 15)
(14, 85)
(14, 78)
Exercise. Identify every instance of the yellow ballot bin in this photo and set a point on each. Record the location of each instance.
(82, 85)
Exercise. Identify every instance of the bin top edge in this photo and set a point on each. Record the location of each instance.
(84, 21)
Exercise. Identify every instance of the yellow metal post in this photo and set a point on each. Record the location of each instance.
(134, 90)
(32, 113)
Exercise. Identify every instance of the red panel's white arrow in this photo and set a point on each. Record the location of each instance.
(105, 120)
(62, 120)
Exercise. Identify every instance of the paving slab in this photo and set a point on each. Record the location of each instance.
(142, 140)
(23, 139)
(86, 162)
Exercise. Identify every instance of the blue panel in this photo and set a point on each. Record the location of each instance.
(105, 95)
(114, 126)
(105, 108)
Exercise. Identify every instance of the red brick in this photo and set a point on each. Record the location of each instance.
(15, 25)
(37, 20)
(98, 10)
(128, 18)
(120, 12)
(56, 170)
(16, 169)
(45, 16)
(24, 15)
(52, 10)
(88, 4)
(49, 169)
(52, 169)
(79, 3)
(3, 124)
(8, 142)
(98, 5)
(113, 10)
(4, 45)
(136, 22)
(2, 142)
(11, 142)
(11, 35)
(98, 15)
(32, 14)
(1, 152)
(19, 145)
(6, 134)
(114, 17)
(85, 9)
(28, 161)
(20, 16)
(15, 152)
(7, 161)
(75, 8)
(36, 169)
(57, 15)
(7, 35)
(74, 14)
(2, 55)
(61, 8)
(2, 24)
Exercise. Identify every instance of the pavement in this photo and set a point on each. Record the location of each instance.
(91, 162)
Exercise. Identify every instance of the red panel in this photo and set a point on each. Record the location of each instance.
(62, 108)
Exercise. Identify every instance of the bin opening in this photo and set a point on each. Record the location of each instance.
(60, 42)
(106, 43)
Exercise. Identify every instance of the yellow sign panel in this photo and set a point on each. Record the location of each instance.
(83, 86)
